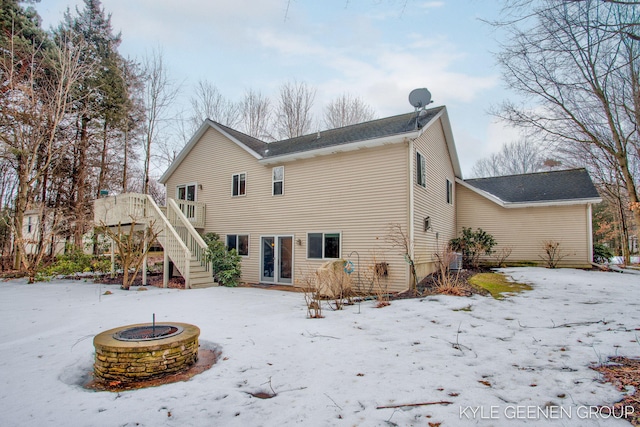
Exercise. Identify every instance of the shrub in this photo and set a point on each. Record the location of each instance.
(75, 261)
(447, 283)
(552, 253)
(602, 253)
(473, 244)
(225, 264)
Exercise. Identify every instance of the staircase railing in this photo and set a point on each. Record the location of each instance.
(172, 242)
(140, 208)
(187, 233)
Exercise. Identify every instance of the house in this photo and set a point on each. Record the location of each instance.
(289, 206)
(53, 243)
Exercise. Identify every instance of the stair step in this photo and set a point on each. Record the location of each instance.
(195, 283)
(201, 275)
(204, 285)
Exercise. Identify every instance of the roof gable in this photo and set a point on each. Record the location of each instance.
(566, 186)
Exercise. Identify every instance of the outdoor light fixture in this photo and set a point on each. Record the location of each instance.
(427, 223)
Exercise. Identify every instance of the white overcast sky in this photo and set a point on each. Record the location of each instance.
(377, 49)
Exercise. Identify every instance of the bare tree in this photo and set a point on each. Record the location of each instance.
(518, 157)
(256, 115)
(293, 112)
(160, 92)
(577, 62)
(209, 103)
(397, 238)
(347, 110)
(132, 245)
(35, 100)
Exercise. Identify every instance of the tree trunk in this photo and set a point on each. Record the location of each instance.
(126, 155)
(18, 221)
(103, 161)
(81, 179)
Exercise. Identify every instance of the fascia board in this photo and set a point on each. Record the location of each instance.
(352, 146)
(194, 140)
(448, 136)
(540, 204)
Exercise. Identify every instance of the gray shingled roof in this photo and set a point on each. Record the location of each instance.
(253, 143)
(572, 184)
(380, 128)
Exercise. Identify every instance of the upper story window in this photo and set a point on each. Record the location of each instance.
(239, 242)
(323, 245)
(239, 183)
(449, 192)
(186, 192)
(278, 180)
(421, 170)
(29, 224)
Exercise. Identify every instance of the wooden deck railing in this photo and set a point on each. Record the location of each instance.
(193, 211)
(131, 208)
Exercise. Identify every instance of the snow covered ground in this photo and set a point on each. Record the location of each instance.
(521, 360)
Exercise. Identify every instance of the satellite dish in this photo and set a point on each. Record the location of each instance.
(420, 98)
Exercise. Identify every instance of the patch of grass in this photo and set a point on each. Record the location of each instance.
(467, 308)
(497, 284)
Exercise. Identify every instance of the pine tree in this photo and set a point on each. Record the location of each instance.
(100, 113)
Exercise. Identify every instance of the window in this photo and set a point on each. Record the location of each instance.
(239, 242)
(29, 224)
(449, 192)
(239, 184)
(186, 192)
(323, 245)
(421, 170)
(278, 180)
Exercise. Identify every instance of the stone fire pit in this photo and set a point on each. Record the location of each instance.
(145, 351)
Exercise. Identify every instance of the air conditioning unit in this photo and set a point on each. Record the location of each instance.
(456, 262)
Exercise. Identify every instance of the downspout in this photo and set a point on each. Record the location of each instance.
(411, 207)
(590, 232)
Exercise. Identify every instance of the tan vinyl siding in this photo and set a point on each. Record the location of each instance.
(525, 229)
(356, 194)
(431, 200)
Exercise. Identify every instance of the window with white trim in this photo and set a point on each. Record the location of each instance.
(186, 192)
(449, 192)
(239, 184)
(277, 177)
(239, 242)
(29, 224)
(323, 245)
(421, 170)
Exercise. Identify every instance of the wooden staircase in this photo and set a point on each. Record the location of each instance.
(182, 244)
(199, 275)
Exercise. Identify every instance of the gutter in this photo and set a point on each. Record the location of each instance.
(532, 204)
(411, 205)
(340, 148)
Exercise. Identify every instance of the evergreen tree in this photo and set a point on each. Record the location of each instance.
(100, 109)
